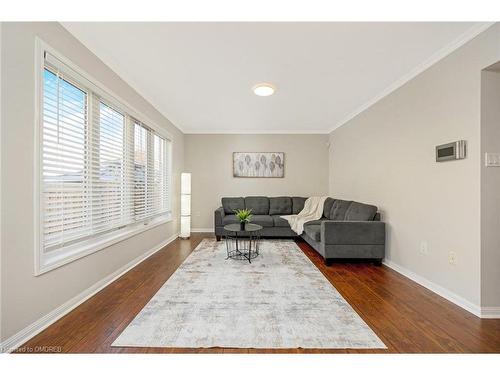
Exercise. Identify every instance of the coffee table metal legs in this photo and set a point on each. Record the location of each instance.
(236, 247)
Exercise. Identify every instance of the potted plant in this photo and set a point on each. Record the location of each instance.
(244, 216)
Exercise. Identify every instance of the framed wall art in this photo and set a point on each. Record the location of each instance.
(259, 164)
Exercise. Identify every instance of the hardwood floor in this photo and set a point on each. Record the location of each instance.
(406, 316)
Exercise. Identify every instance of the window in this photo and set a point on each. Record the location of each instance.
(104, 174)
(64, 190)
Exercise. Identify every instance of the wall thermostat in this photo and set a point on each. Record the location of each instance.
(451, 151)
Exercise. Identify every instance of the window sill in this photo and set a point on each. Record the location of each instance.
(58, 258)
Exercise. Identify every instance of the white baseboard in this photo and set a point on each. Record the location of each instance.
(202, 230)
(489, 312)
(36, 327)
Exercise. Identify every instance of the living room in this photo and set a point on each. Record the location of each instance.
(250, 187)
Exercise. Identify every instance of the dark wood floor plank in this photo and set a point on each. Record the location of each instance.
(107, 330)
(406, 316)
(474, 334)
(408, 305)
(427, 327)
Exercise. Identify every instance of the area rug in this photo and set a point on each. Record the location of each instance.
(280, 300)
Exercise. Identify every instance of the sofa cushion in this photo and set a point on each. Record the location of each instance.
(280, 206)
(280, 222)
(297, 204)
(315, 222)
(264, 220)
(313, 231)
(327, 207)
(360, 212)
(339, 209)
(258, 205)
(231, 204)
(230, 219)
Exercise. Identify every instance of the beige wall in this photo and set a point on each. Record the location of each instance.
(385, 156)
(490, 189)
(209, 158)
(1, 129)
(26, 298)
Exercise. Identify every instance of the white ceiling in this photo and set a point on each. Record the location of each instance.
(200, 75)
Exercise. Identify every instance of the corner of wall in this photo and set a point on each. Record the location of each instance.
(330, 163)
(1, 127)
(393, 166)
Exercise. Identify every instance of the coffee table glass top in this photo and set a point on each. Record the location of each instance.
(249, 227)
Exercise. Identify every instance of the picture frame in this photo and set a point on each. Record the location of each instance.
(259, 164)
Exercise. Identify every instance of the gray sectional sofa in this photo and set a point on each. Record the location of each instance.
(347, 229)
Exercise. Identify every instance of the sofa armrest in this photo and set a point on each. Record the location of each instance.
(218, 215)
(353, 232)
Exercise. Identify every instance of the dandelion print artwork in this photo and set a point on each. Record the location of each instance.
(259, 164)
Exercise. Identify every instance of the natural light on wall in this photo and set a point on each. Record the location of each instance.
(185, 205)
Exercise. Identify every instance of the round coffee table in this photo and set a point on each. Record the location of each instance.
(242, 244)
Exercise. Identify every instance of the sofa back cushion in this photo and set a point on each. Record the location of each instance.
(258, 205)
(339, 209)
(297, 204)
(280, 206)
(327, 207)
(231, 204)
(360, 212)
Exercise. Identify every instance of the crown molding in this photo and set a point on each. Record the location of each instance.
(229, 132)
(436, 57)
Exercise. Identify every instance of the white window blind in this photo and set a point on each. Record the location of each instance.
(102, 169)
(150, 163)
(108, 174)
(65, 161)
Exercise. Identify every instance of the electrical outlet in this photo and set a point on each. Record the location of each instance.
(492, 159)
(452, 258)
(424, 248)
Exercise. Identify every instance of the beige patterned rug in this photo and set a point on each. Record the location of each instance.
(281, 300)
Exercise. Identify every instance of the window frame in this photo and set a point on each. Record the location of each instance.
(47, 261)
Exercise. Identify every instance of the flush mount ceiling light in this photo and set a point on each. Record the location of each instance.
(264, 89)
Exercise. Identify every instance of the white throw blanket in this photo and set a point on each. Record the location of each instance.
(313, 210)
